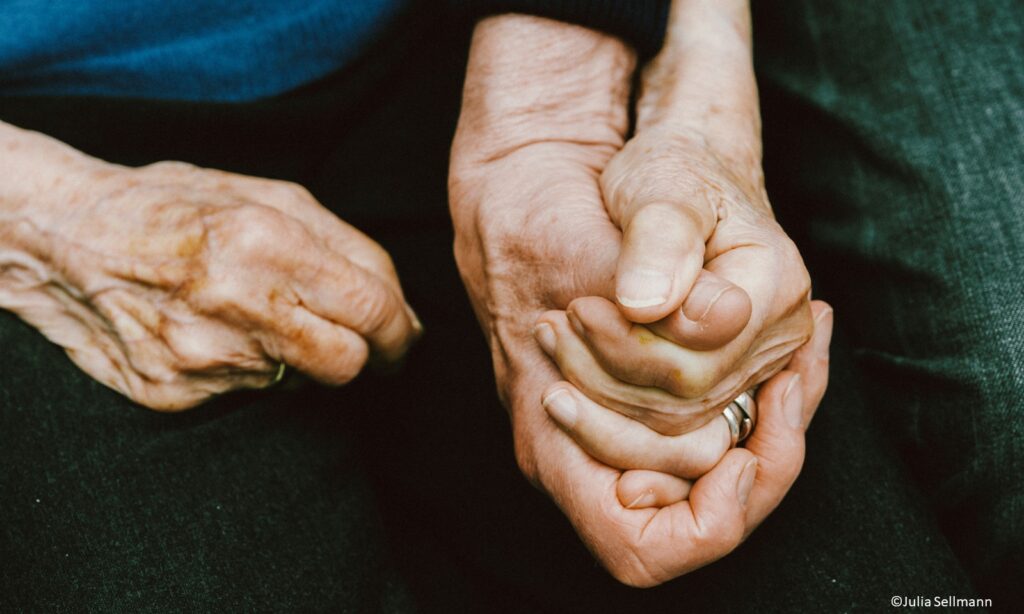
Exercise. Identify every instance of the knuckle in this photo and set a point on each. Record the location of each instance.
(251, 230)
(193, 352)
(348, 363)
(172, 167)
(217, 295)
(660, 215)
(797, 286)
(696, 382)
(373, 306)
(297, 190)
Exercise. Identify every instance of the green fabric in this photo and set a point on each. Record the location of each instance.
(895, 135)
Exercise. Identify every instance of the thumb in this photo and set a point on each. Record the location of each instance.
(665, 226)
(662, 255)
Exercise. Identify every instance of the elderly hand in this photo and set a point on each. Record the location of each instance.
(688, 192)
(172, 283)
(544, 110)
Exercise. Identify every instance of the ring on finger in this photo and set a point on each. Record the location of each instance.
(740, 414)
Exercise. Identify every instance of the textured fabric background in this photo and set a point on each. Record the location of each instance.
(895, 135)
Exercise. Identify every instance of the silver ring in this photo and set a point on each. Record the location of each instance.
(740, 414)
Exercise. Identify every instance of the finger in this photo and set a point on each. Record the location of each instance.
(328, 353)
(640, 488)
(812, 359)
(713, 314)
(662, 254)
(632, 353)
(345, 240)
(786, 403)
(344, 293)
(624, 443)
(645, 547)
(654, 407)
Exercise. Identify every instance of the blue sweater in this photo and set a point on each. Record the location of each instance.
(216, 50)
(236, 50)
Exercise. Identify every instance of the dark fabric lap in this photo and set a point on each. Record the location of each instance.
(261, 500)
(895, 152)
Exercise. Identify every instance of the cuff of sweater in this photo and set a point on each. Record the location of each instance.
(641, 23)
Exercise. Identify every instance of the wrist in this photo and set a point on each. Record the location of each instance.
(533, 80)
(40, 174)
(41, 177)
(702, 81)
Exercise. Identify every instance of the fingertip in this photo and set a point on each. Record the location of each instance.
(398, 330)
(823, 322)
(662, 255)
(745, 481)
(546, 338)
(708, 322)
(561, 405)
(643, 288)
(640, 488)
(718, 499)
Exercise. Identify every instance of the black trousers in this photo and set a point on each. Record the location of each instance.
(399, 492)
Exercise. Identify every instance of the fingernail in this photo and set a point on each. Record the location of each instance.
(823, 330)
(646, 499)
(702, 298)
(643, 288)
(562, 407)
(791, 403)
(574, 321)
(746, 481)
(545, 336)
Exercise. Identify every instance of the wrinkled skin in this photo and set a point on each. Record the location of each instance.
(546, 203)
(647, 372)
(171, 283)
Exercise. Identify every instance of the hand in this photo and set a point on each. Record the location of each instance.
(698, 232)
(171, 283)
(532, 234)
(640, 526)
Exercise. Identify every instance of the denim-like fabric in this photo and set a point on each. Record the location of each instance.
(895, 147)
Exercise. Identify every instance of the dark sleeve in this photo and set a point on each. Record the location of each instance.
(641, 23)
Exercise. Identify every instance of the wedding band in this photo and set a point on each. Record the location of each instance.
(740, 414)
(280, 374)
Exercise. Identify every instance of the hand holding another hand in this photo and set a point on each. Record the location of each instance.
(556, 221)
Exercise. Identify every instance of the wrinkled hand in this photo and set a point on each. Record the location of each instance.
(544, 111)
(744, 314)
(653, 534)
(171, 283)
(698, 233)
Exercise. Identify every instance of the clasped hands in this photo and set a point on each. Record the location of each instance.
(630, 290)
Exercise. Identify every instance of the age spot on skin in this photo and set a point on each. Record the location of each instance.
(190, 246)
